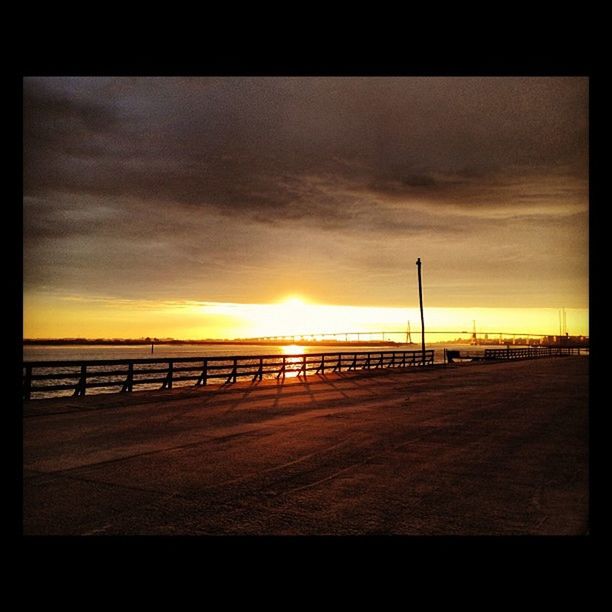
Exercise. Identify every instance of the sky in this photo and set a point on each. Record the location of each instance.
(196, 207)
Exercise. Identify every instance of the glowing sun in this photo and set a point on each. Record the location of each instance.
(293, 300)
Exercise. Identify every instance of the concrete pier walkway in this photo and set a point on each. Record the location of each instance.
(470, 450)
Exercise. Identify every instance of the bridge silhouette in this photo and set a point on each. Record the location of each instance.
(352, 336)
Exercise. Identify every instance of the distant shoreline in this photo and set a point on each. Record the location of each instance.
(104, 342)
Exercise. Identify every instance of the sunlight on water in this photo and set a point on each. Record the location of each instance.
(293, 349)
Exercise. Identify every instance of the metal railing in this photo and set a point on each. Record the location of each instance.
(530, 352)
(123, 375)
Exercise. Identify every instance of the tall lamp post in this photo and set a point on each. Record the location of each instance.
(418, 263)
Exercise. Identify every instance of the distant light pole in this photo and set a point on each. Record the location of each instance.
(418, 264)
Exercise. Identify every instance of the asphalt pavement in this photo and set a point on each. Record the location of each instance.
(485, 449)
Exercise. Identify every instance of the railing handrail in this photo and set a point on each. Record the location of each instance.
(228, 367)
(101, 362)
(504, 353)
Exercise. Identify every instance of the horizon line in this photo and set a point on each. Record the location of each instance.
(305, 336)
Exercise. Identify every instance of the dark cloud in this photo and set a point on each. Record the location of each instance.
(138, 161)
(241, 143)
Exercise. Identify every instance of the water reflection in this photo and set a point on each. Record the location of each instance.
(293, 349)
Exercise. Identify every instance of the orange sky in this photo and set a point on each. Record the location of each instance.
(188, 207)
(77, 317)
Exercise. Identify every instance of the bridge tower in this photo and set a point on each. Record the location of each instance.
(408, 336)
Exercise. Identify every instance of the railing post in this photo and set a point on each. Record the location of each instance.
(232, 375)
(282, 370)
(168, 383)
(81, 387)
(27, 385)
(203, 380)
(127, 385)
